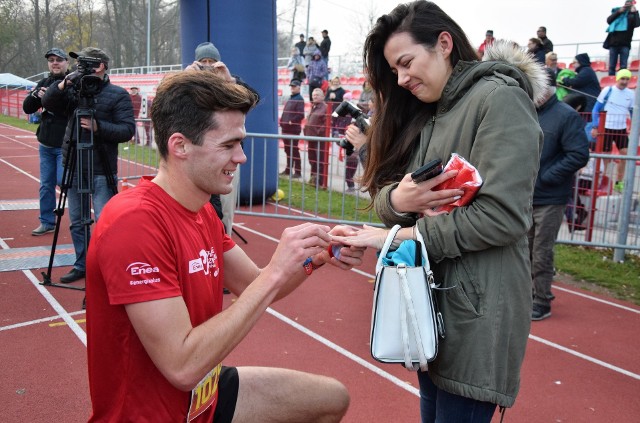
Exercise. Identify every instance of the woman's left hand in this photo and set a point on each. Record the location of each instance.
(368, 236)
(343, 256)
(411, 197)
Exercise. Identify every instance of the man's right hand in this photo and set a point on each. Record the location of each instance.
(297, 243)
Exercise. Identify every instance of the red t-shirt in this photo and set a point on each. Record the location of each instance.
(146, 246)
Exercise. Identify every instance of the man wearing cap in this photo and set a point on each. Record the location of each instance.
(50, 134)
(488, 40)
(622, 21)
(565, 151)
(290, 122)
(617, 101)
(112, 123)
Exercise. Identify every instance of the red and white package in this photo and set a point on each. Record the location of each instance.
(468, 179)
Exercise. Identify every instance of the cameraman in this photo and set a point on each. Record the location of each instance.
(112, 123)
(50, 134)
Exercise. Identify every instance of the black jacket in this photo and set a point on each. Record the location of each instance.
(325, 47)
(623, 38)
(113, 113)
(565, 150)
(586, 81)
(292, 115)
(52, 126)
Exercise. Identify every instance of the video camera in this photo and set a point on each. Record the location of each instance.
(83, 81)
(358, 118)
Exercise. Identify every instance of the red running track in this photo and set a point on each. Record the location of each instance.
(581, 364)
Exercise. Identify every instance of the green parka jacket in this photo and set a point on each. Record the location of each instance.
(486, 114)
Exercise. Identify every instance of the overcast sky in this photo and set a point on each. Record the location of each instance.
(567, 21)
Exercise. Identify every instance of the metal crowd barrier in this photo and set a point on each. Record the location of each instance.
(603, 221)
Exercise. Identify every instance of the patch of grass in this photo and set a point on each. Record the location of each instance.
(138, 154)
(19, 123)
(596, 266)
(327, 203)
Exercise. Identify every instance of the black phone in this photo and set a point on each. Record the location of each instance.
(428, 171)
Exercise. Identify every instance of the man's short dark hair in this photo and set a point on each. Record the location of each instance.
(185, 102)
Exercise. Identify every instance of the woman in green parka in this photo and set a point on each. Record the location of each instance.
(436, 99)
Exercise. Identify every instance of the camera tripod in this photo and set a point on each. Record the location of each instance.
(79, 168)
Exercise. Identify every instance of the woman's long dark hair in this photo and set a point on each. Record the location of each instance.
(400, 116)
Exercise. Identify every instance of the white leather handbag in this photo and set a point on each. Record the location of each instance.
(405, 321)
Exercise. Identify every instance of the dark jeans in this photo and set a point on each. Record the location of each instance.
(50, 176)
(351, 165)
(614, 52)
(542, 238)
(317, 159)
(102, 192)
(293, 154)
(438, 406)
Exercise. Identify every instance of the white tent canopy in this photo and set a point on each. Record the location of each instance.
(13, 81)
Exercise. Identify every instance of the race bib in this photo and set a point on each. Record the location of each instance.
(204, 394)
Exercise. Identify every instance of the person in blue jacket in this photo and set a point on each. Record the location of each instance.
(564, 152)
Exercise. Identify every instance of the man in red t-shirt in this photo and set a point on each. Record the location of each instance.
(159, 256)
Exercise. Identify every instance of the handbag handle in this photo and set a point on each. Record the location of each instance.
(387, 244)
(385, 247)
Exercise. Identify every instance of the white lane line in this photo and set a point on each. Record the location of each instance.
(37, 321)
(535, 338)
(585, 357)
(20, 170)
(346, 353)
(62, 313)
(599, 300)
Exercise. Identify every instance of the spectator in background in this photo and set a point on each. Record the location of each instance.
(148, 130)
(564, 152)
(488, 40)
(622, 21)
(316, 73)
(316, 127)
(296, 65)
(547, 45)
(365, 96)
(586, 81)
(50, 134)
(335, 94)
(309, 50)
(551, 62)
(292, 115)
(350, 161)
(136, 101)
(535, 48)
(300, 45)
(617, 101)
(325, 46)
(112, 123)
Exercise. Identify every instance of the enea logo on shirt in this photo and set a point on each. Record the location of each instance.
(140, 269)
(207, 262)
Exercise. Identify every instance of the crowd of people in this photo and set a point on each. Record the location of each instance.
(157, 340)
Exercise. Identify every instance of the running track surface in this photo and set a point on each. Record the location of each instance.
(581, 365)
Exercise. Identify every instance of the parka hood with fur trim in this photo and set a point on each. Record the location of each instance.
(503, 58)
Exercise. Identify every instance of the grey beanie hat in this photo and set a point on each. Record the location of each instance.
(207, 50)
